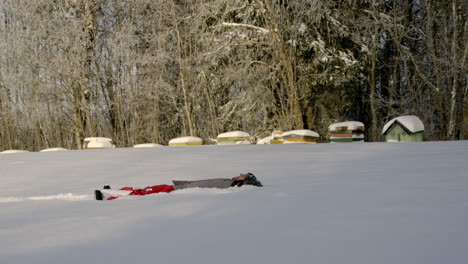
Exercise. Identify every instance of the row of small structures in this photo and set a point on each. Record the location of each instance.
(400, 129)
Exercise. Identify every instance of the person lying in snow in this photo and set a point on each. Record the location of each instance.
(247, 179)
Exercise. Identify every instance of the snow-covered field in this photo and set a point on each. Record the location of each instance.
(321, 203)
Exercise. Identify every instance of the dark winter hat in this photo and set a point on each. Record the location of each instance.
(250, 179)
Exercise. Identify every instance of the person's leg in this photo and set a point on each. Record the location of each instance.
(153, 189)
(114, 194)
(121, 192)
(107, 194)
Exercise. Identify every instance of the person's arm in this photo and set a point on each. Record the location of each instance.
(241, 177)
(239, 180)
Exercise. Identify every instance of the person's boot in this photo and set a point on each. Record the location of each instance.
(98, 195)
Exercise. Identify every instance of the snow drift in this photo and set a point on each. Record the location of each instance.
(321, 203)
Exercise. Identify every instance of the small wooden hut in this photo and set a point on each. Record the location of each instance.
(350, 131)
(404, 129)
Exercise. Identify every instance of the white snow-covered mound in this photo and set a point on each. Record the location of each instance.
(410, 122)
(98, 143)
(148, 145)
(234, 134)
(11, 151)
(53, 149)
(301, 132)
(185, 141)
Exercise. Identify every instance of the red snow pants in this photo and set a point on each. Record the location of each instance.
(145, 191)
(153, 189)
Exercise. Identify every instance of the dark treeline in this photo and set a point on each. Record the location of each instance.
(150, 70)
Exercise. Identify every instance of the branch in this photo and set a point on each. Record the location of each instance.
(465, 53)
(418, 71)
(260, 29)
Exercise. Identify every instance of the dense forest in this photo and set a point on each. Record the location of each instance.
(142, 71)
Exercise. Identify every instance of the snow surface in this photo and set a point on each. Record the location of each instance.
(411, 122)
(321, 203)
(352, 125)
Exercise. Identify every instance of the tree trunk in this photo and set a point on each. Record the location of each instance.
(290, 82)
(211, 108)
(372, 81)
(90, 6)
(78, 121)
(185, 90)
(157, 119)
(436, 67)
(457, 95)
